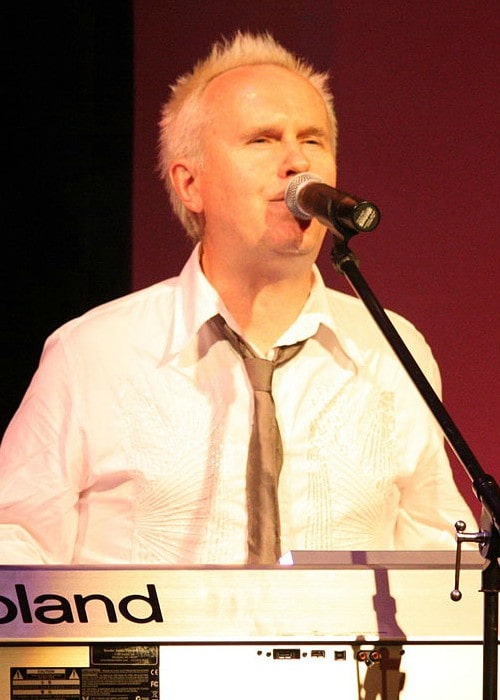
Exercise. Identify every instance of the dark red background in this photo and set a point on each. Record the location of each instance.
(417, 99)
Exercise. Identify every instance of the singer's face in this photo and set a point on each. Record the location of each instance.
(266, 125)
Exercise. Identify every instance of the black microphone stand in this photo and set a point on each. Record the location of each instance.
(484, 485)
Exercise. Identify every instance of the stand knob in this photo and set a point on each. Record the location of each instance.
(462, 536)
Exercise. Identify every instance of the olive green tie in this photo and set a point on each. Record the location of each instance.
(265, 452)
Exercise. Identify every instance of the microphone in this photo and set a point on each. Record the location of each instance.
(308, 196)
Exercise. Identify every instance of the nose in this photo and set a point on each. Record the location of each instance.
(294, 160)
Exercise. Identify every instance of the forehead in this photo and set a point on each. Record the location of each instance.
(252, 90)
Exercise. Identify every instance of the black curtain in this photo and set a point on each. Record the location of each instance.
(66, 241)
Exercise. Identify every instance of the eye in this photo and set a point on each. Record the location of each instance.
(262, 136)
(315, 137)
(261, 139)
(314, 141)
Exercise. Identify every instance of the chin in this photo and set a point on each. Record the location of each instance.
(305, 240)
(295, 237)
(298, 249)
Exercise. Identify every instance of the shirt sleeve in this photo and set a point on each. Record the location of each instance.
(41, 460)
(430, 501)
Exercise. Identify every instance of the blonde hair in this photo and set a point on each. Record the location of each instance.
(183, 116)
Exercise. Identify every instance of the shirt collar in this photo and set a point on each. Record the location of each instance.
(196, 302)
(316, 312)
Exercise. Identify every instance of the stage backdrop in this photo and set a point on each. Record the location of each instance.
(417, 99)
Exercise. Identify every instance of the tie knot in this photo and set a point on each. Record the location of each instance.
(259, 370)
(260, 373)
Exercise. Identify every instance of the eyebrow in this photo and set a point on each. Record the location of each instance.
(315, 131)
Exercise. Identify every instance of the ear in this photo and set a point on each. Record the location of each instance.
(184, 179)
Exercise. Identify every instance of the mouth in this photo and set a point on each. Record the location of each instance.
(279, 204)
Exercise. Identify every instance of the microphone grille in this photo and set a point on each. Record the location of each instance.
(292, 193)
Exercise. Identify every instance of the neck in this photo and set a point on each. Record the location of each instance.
(264, 304)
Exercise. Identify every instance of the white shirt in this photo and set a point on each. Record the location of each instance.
(130, 445)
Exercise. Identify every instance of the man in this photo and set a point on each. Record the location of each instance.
(132, 442)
